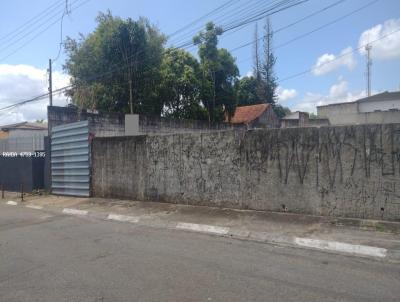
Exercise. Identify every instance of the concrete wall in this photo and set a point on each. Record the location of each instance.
(360, 113)
(112, 124)
(161, 125)
(100, 124)
(318, 122)
(351, 171)
(338, 113)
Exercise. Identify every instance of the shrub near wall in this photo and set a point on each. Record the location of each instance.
(351, 171)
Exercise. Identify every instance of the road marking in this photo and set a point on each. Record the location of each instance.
(122, 218)
(74, 212)
(12, 203)
(32, 206)
(204, 228)
(364, 250)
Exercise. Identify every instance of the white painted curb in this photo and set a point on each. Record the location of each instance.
(364, 250)
(75, 212)
(12, 203)
(123, 218)
(32, 206)
(204, 228)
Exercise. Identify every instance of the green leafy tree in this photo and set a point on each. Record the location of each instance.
(180, 85)
(116, 67)
(281, 111)
(246, 91)
(219, 73)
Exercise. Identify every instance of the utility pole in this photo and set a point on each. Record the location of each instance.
(50, 85)
(368, 48)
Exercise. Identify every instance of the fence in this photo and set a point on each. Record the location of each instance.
(25, 171)
(22, 144)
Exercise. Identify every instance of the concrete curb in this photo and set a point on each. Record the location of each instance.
(371, 252)
(376, 225)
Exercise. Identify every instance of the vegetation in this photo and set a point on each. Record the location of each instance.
(117, 67)
(123, 66)
(262, 86)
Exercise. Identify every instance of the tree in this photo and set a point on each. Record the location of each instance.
(219, 74)
(180, 85)
(261, 88)
(116, 67)
(267, 70)
(281, 111)
(312, 116)
(246, 91)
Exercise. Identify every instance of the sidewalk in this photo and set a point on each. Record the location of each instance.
(365, 238)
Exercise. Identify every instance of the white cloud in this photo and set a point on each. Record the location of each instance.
(330, 62)
(338, 90)
(388, 47)
(338, 93)
(249, 73)
(286, 94)
(20, 82)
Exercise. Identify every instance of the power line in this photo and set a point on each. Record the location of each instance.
(22, 27)
(242, 13)
(314, 30)
(41, 32)
(282, 80)
(221, 7)
(337, 58)
(111, 71)
(32, 28)
(66, 12)
(293, 23)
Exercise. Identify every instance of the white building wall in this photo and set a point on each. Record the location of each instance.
(380, 105)
(26, 133)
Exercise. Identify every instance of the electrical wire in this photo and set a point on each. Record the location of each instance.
(309, 32)
(41, 32)
(120, 67)
(27, 24)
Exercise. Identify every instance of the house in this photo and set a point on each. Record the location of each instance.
(22, 137)
(382, 108)
(302, 119)
(24, 129)
(254, 116)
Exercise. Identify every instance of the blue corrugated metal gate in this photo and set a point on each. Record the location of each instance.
(70, 161)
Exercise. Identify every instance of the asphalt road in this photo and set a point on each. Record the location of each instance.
(52, 257)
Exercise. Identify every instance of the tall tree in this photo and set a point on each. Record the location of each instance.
(219, 73)
(116, 67)
(180, 85)
(267, 71)
(256, 55)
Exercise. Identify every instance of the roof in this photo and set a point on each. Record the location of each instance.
(24, 126)
(384, 96)
(247, 114)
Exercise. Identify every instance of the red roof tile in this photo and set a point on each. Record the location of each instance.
(247, 114)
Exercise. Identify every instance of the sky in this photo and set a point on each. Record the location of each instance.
(320, 59)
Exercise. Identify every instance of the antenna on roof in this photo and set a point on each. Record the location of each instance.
(368, 48)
